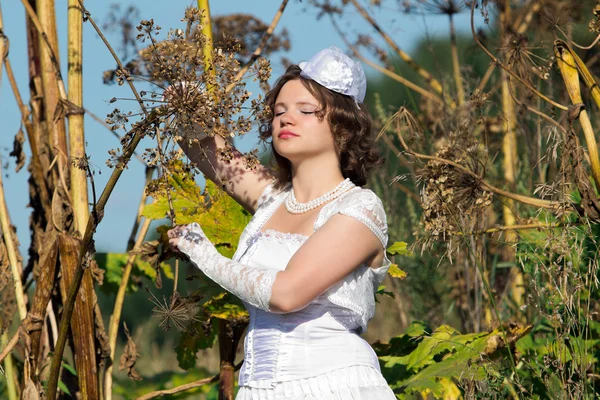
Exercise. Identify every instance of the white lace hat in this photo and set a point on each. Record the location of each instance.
(336, 71)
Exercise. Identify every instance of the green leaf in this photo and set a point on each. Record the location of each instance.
(381, 291)
(69, 368)
(63, 387)
(399, 248)
(192, 341)
(113, 265)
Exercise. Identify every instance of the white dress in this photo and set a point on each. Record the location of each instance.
(316, 352)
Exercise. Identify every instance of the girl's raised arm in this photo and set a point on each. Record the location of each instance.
(241, 182)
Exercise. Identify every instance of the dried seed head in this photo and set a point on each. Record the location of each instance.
(178, 311)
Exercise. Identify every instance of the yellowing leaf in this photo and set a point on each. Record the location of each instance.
(222, 307)
(396, 272)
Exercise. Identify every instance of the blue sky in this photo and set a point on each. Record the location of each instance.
(308, 35)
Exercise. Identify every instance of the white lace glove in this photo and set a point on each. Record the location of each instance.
(251, 284)
(186, 131)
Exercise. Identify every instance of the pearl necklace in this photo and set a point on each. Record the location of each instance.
(294, 207)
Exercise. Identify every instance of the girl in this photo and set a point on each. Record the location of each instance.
(311, 258)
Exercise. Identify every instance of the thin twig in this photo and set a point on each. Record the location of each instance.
(12, 250)
(185, 387)
(533, 110)
(595, 42)
(508, 70)
(104, 124)
(435, 85)
(11, 344)
(113, 327)
(423, 92)
(257, 52)
(508, 228)
(13, 256)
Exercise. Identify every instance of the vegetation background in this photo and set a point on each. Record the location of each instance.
(489, 187)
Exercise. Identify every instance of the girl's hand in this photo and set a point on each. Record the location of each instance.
(174, 235)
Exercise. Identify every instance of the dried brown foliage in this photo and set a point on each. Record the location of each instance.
(453, 200)
(7, 291)
(17, 150)
(129, 357)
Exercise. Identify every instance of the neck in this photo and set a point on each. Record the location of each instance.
(314, 177)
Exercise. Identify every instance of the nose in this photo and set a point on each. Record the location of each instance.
(286, 119)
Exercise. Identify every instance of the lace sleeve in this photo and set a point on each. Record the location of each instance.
(251, 284)
(366, 207)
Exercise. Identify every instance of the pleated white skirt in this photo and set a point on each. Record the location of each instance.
(349, 383)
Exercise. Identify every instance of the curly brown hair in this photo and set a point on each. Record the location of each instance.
(351, 127)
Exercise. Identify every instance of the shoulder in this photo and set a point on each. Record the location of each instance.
(269, 193)
(360, 197)
(365, 206)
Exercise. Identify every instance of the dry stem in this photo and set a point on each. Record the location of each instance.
(79, 192)
(10, 345)
(37, 172)
(435, 85)
(460, 91)
(92, 223)
(104, 124)
(423, 92)
(113, 327)
(13, 257)
(184, 387)
(259, 49)
(36, 22)
(508, 70)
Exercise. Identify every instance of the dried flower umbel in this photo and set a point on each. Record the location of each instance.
(204, 94)
(452, 199)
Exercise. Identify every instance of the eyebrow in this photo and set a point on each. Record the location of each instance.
(300, 103)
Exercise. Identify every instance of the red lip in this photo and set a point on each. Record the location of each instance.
(286, 133)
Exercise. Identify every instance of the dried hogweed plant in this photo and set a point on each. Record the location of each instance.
(193, 96)
(197, 99)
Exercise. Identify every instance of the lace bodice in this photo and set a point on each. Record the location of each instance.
(356, 292)
(315, 340)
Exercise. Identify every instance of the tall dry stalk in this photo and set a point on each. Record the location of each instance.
(115, 319)
(46, 14)
(568, 69)
(458, 81)
(54, 108)
(79, 192)
(431, 81)
(8, 363)
(509, 161)
(16, 269)
(226, 355)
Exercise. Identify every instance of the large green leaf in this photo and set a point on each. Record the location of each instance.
(113, 265)
(192, 341)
